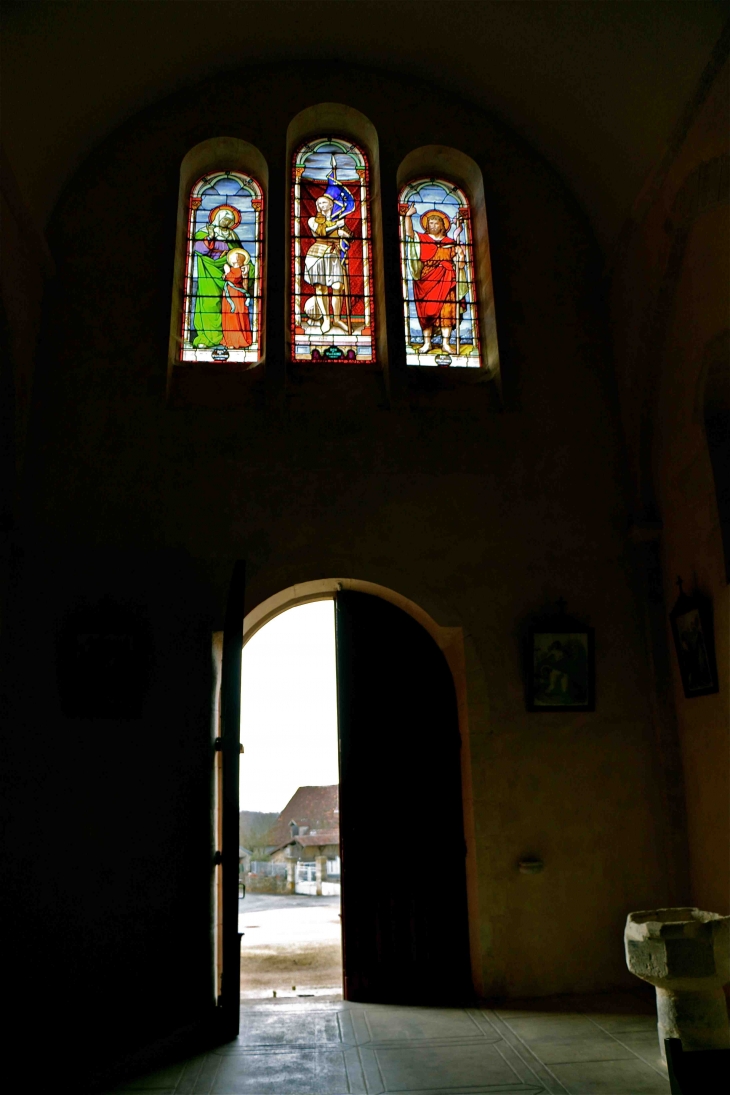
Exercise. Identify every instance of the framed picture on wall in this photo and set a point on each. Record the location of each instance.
(560, 668)
(693, 632)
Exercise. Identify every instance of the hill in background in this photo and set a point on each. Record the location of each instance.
(253, 825)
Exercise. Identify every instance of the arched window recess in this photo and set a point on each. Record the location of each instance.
(218, 299)
(448, 303)
(336, 283)
(331, 252)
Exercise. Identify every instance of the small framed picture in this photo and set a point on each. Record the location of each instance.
(561, 669)
(691, 620)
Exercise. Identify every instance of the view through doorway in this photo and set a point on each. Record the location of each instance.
(289, 833)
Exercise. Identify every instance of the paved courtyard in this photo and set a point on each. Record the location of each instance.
(291, 946)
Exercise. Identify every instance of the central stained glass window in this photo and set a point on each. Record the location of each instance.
(224, 271)
(332, 302)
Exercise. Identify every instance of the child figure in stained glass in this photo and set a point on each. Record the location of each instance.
(437, 267)
(236, 322)
(211, 246)
(324, 265)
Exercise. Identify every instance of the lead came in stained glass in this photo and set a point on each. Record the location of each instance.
(224, 270)
(437, 269)
(332, 306)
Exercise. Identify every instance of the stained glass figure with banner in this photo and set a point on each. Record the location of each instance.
(437, 269)
(332, 305)
(224, 270)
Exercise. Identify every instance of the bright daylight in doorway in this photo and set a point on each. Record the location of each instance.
(289, 893)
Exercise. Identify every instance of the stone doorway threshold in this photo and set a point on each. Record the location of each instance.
(576, 1044)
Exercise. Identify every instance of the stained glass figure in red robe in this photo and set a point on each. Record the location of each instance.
(437, 267)
(437, 270)
(236, 296)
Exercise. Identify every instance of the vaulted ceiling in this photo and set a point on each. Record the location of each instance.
(597, 86)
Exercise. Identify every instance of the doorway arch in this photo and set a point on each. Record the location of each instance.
(450, 642)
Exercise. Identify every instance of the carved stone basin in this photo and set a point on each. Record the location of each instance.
(685, 954)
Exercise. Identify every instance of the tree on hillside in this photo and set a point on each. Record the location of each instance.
(253, 825)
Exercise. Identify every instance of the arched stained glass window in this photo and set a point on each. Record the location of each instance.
(437, 269)
(224, 270)
(332, 299)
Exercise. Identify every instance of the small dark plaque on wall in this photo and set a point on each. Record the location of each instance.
(692, 628)
(560, 665)
(102, 662)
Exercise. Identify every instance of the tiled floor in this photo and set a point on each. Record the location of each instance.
(578, 1045)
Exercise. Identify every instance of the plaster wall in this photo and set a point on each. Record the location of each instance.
(480, 516)
(671, 304)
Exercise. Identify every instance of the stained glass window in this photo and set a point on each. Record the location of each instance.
(437, 269)
(332, 303)
(224, 270)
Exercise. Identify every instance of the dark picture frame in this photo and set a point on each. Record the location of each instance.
(560, 665)
(694, 643)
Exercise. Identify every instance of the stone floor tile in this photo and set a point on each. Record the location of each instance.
(199, 1076)
(563, 1050)
(286, 1071)
(404, 1024)
(610, 1078)
(646, 1046)
(161, 1081)
(143, 1090)
(545, 1027)
(490, 1089)
(427, 1067)
(281, 1027)
(611, 1001)
(619, 1024)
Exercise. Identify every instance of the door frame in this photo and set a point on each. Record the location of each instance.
(450, 641)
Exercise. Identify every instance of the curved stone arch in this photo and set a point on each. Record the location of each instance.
(451, 165)
(703, 189)
(457, 652)
(217, 155)
(337, 120)
(712, 411)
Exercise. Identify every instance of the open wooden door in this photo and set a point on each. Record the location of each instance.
(405, 927)
(228, 748)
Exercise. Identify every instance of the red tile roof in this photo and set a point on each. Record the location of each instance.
(320, 838)
(310, 807)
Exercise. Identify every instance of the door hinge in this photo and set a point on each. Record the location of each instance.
(218, 745)
(217, 859)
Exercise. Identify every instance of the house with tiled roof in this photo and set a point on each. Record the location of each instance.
(307, 834)
(311, 810)
(309, 845)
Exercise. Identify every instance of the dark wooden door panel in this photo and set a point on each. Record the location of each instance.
(405, 935)
(230, 989)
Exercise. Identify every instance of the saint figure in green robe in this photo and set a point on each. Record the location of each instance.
(211, 246)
